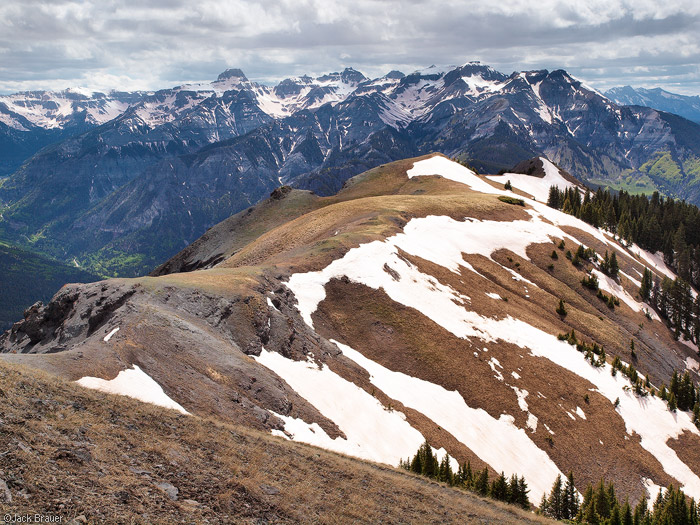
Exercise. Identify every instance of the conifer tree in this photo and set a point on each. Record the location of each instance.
(561, 309)
(627, 518)
(499, 488)
(481, 482)
(445, 471)
(614, 267)
(615, 516)
(646, 285)
(570, 498)
(672, 403)
(555, 501)
(554, 198)
(641, 513)
(523, 491)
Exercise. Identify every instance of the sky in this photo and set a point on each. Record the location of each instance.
(153, 44)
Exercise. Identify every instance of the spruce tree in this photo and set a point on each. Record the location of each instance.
(615, 516)
(570, 498)
(523, 491)
(481, 483)
(641, 513)
(614, 267)
(672, 403)
(627, 518)
(499, 488)
(646, 285)
(561, 309)
(445, 471)
(555, 502)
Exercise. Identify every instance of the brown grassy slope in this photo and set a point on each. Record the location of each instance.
(73, 452)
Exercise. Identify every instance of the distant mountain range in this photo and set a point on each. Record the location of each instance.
(657, 98)
(121, 181)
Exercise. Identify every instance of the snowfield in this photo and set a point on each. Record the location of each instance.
(360, 416)
(497, 441)
(442, 241)
(135, 383)
(536, 186)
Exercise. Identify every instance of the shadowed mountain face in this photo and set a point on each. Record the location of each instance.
(422, 301)
(170, 164)
(685, 106)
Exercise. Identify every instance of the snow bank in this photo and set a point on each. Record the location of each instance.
(450, 170)
(654, 260)
(373, 431)
(496, 441)
(609, 285)
(110, 334)
(538, 187)
(134, 383)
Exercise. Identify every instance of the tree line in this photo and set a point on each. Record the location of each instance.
(598, 505)
(656, 224)
(601, 506)
(511, 490)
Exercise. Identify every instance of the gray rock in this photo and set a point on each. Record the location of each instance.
(170, 489)
(5, 494)
(269, 490)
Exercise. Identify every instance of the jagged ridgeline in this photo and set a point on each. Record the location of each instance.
(424, 315)
(123, 181)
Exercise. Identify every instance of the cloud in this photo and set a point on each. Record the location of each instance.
(148, 45)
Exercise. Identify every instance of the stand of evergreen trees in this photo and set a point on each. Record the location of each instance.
(511, 490)
(658, 225)
(600, 506)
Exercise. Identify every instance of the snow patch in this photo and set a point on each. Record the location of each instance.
(271, 304)
(532, 421)
(134, 383)
(360, 416)
(521, 394)
(655, 260)
(109, 335)
(493, 363)
(607, 284)
(498, 442)
(538, 187)
(443, 240)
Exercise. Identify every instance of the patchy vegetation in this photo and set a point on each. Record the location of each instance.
(511, 200)
(71, 452)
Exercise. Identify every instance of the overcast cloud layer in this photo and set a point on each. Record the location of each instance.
(104, 44)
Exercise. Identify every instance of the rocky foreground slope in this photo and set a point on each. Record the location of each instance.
(418, 303)
(86, 457)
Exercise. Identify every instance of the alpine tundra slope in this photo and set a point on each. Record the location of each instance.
(422, 302)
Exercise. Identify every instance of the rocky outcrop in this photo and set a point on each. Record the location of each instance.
(74, 313)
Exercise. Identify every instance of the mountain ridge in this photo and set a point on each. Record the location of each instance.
(419, 281)
(247, 139)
